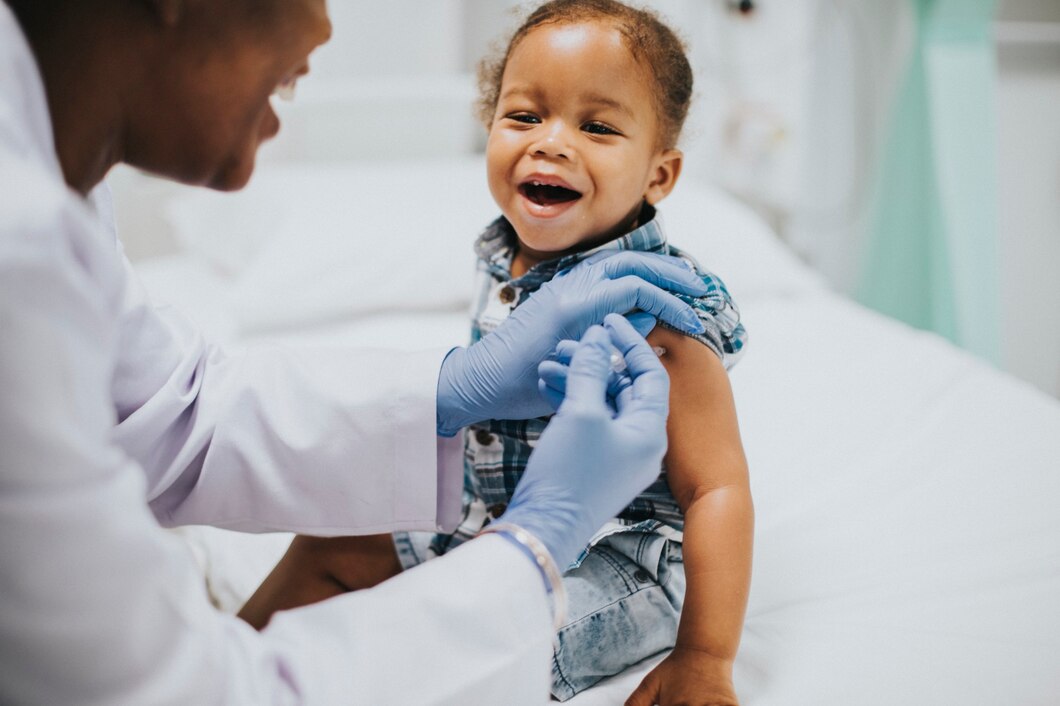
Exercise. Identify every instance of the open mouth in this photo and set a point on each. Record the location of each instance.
(547, 194)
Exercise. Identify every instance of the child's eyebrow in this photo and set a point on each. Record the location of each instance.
(597, 99)
(517, 91)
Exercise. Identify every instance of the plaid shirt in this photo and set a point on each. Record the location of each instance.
(496, 452)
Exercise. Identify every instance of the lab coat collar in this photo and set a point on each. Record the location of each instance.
(25, 123)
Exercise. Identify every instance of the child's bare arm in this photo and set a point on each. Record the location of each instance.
(708, 476)
(316, 568)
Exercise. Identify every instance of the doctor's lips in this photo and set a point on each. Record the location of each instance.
(548, 191)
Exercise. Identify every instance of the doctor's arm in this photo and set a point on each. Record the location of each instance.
(102, 607)
(312, 440)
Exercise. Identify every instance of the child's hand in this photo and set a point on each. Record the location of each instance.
(689, 677)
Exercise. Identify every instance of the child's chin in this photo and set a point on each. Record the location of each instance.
(547, 248)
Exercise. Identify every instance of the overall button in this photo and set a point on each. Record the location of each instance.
(483, 437)
(497, 510)
(507, 294)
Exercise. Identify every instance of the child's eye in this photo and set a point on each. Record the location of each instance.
(528, 118)
(598, 128)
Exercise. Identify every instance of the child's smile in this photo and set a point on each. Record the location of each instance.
(573, 149)
(548, 195)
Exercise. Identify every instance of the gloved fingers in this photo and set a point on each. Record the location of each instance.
(642, 321)
(664, 271)
(553, 395)
(564, 351)
(554, 374)
(630, 293)
(623, 396)
(629, 343)
(619, 390)
(552, 381)
(650, 384)
(588, 373)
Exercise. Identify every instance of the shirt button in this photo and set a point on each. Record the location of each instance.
(507, 294)
(497, 510)
(642, 576)
(483, 437)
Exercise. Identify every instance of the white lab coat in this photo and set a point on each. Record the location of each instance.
(116, 418)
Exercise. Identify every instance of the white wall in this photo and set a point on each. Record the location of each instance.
(794, 100)
(1029, 176)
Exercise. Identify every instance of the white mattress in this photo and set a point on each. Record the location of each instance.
(907, 545)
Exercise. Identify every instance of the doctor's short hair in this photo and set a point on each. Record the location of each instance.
(252, 13)
(652, 43)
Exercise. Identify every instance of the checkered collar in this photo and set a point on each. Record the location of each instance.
(497, 245)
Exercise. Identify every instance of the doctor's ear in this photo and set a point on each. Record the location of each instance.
(667, 168)
(168, 12)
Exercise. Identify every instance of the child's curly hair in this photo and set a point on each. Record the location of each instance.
(652, 44)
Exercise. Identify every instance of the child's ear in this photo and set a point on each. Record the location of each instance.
(666, 169)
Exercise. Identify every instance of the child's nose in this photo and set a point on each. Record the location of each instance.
(553, 142)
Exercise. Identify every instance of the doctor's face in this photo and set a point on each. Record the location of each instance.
(201, 116)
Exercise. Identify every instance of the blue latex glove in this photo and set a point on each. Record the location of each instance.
(497, 378)
(592, 459)
(553, 373)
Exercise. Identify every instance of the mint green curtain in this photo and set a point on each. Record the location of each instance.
(932, 250)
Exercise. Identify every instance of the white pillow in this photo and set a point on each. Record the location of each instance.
(729, 239)
(324, 242)
(224, 232)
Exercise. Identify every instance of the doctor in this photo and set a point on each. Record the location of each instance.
(116, 418)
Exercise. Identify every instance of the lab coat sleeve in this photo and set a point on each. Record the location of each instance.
(101, 606)
(467, 635)
(322, 441)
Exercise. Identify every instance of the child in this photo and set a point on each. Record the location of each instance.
(584, 110)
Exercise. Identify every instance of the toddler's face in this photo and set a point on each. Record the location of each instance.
(573, 147)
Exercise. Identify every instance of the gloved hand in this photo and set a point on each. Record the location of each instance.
(592, 460)
(496, 377)
(553, 372)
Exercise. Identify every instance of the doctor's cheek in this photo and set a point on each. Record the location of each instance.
(238, 170)
(270, 125)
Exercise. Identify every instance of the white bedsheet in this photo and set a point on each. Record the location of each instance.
(907, 545)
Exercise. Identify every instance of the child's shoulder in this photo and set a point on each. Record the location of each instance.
(716, 288)
(724, 331)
